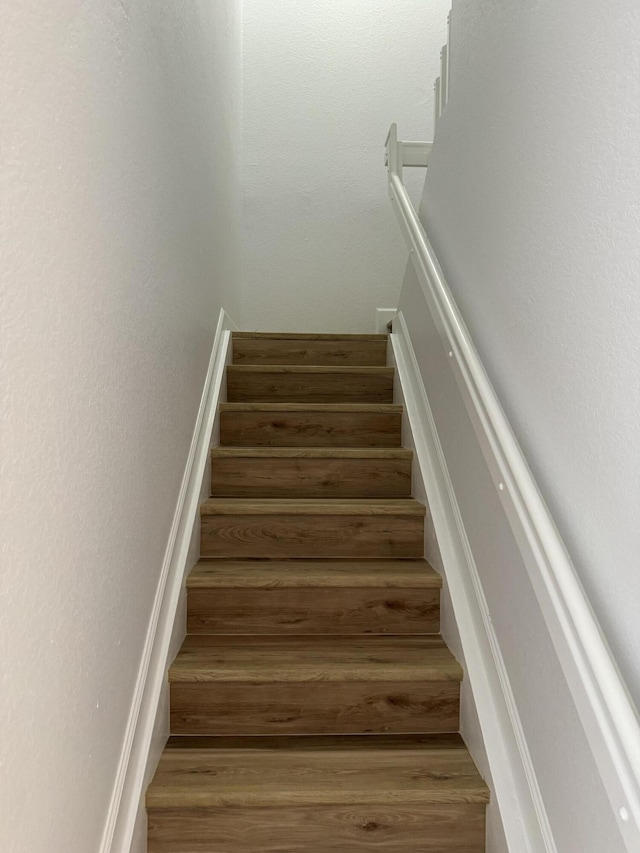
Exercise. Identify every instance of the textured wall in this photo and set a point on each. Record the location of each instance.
(322, 83)
(531, 202)
(573, 795)
(120, 242)
(533, 206)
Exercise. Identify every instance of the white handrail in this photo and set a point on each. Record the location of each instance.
(602, 700)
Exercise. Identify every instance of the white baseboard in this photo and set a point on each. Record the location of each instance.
(146, 726)
(383, 317)
(516, 787)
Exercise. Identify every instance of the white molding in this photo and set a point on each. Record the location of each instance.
(415, 154)
(444, 76)
(602, 700)
(135, 756)
(516, 787)
(383, 317)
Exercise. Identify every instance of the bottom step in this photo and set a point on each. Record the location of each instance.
(418, 793)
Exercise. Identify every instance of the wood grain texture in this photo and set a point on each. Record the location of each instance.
(319, 829)
(396, 574)
(286, 349)
(380, 507)
(204, 659)
(307, 336)
(292, 685)
(316, 770)
(311, 453)
(312, 657)
(310, 425)
(310, 472)
(309, 610)
(313, 596)
(312, 535)
(302, 384)
(314, 706)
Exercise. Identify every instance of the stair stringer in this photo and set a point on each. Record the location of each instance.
(517, 808)
(148, 724)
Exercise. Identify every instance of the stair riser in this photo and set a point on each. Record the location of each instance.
(313, 611)
(335, 353)
(313, 707)
(265, 387)
(310, 478)
(249, 536)
(393, 828)
(309, 429)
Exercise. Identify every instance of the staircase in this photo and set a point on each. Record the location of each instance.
(314, 706)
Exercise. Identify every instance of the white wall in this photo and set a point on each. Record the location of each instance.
(120, 242)
(573, 796)
(533, 207)
(323, 80)
(531, 203)
(470, 727)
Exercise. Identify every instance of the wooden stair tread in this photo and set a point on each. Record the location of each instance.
(273, 658)
(312, 506)
(280, 771)
(311, 452)
(313, 350)
(298, 336)
(312, 701)
(411, 574)
(338, 370)
(369, 408)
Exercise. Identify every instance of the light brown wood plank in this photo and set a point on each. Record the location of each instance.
(301, 384)
(306, 336)
(314, 706)
(313, 596)
(310, 472)
(312, 535)
(306, 610)
(363, 453)
(323, 408)
(276, 349)
(427, 828)
(208, 658)
(309, 370)
(377, 574)
(309, 425)
(316, 770)
(281, 685)
(322, 507)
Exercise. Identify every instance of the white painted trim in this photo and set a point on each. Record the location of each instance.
(448, 71)
(444, 76)
(383, 317)
(438, 98)
(134, 759)
(516, 787)
(415, 153)
(602, 700)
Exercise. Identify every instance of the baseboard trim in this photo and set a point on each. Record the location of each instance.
(384, 318)
(135, 756)
(522, 809)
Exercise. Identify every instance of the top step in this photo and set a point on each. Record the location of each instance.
(285, 348)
